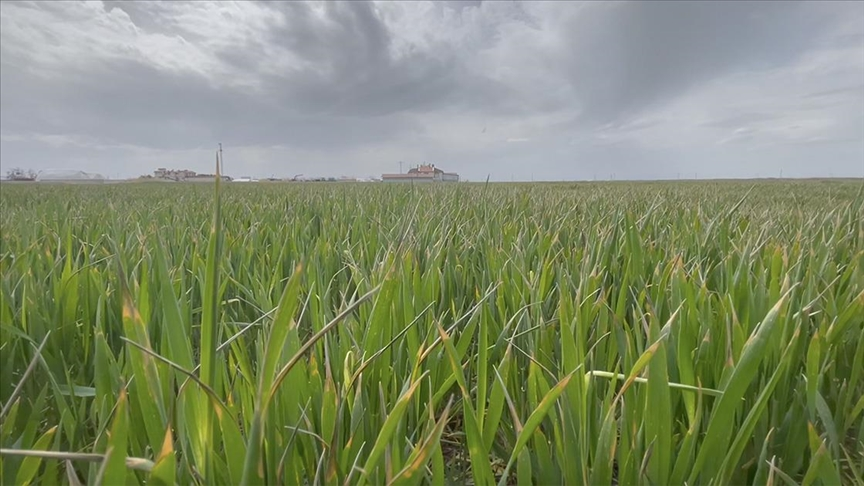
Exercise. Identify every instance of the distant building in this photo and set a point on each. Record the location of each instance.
(422, 173)
(69, 176)
(19, 175)
(206, 178)
(173, 175)
(184, 175)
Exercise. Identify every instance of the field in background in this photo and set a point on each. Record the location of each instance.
(636, 333)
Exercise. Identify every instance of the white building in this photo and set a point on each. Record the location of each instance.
(422, 173)
(69, 176)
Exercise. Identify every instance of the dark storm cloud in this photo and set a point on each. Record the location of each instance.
(630, 57)
(143, 106)
(350, 74)
(355, 72)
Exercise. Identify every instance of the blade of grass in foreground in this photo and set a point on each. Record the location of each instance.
(283, 322)
(688, 446)
(658, 414)
(708, 460)
(745, 432)
(534, 421)
(30, 465)
(821, 465)
(209, 329)
(647, 355)
(387, 429)
(480, 467)
(113, 470)
(147, 383)
(410, 473)
(165, 470)
(179, 349)
(604, 456)
(210, 297)
(27, 372)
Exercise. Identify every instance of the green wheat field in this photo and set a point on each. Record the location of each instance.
(585, 333)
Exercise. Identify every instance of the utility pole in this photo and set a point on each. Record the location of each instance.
(400, 166)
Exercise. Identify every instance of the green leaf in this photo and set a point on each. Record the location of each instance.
(534, 421)
(688, 446)
(647, 355)
(210, 328)
(744, 433)
(480, 467)
(164, 470)
(411, 473)
(283, 322)
(30, 465)
(388, 428)
(710, 456)
(235, 446)
(658, 414)
(179, 345)
(821, 465)
(113, 470)
(604, 456)
(523, 469)
(496, 403)
(147, 383)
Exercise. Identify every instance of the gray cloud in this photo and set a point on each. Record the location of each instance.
(657, 50)
(553, 90)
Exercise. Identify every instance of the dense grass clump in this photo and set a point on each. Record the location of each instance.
(657, 333)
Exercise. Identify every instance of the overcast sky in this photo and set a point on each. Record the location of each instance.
(513, 90)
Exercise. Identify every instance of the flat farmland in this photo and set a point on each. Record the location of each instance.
(566, 333)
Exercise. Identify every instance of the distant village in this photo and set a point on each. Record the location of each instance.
(420, 173)
(185, 175)
(423, 173)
